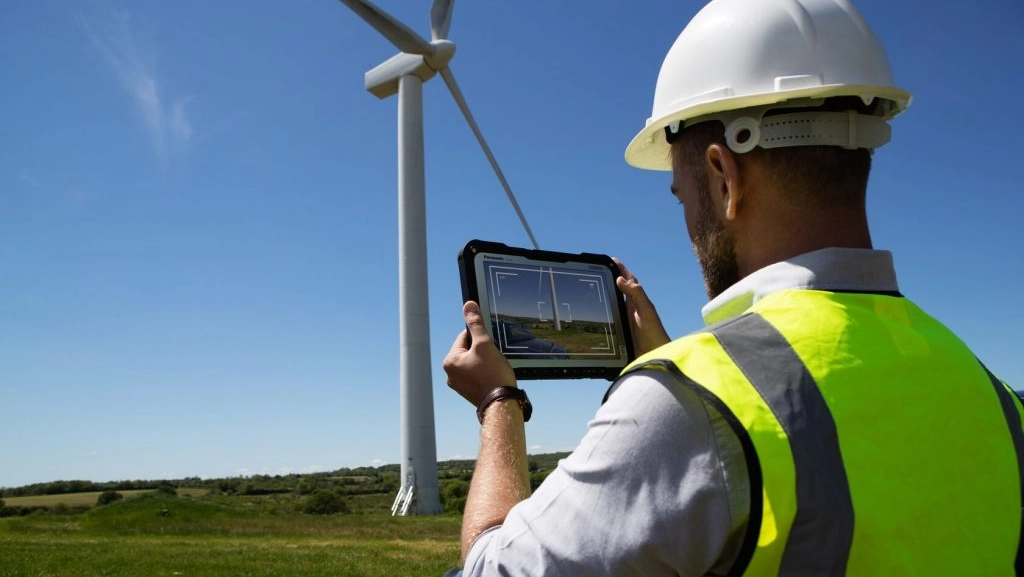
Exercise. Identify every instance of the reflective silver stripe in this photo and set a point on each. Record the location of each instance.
(1009, 405)
(819, 540)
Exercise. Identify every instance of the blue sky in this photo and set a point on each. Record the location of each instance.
(198, 256)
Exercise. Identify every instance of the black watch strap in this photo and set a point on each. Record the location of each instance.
(501, 393)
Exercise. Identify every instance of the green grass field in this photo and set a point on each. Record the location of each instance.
(157, 535)
(86, 499)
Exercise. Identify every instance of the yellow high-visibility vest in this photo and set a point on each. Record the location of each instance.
(876, 443)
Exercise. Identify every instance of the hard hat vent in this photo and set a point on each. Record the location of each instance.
(815, 128)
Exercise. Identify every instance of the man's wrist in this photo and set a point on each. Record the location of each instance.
(505, 393)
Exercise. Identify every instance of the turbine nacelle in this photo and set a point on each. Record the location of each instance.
(382, 81)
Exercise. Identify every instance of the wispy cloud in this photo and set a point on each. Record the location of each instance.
(179, 125)
(114, 41)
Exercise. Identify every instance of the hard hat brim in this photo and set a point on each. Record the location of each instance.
(649, 150)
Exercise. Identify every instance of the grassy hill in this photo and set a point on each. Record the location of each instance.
(162, 535)
(254, 526)
(87, 499)
(356, 482)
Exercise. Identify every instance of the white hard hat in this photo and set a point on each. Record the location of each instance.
(737, 59)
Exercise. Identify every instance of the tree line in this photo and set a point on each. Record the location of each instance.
(325, 492)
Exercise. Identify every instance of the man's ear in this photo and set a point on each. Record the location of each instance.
(725, 180)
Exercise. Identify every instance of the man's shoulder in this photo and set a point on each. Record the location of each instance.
(671, 350)
(658, 394)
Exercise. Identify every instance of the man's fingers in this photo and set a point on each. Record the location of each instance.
(631, 288)
(474, 321)
(623, 270)
(623, 284)
(459, 348)
(461, 343)
(627, 283)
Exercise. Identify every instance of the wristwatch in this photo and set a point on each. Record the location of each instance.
(500, 393)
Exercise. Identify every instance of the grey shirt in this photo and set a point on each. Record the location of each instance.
(658, 485)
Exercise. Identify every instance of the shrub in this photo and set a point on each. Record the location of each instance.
(166, 488)
(323, 502)
(453, 496)
(306, 486)
(537, 478)
(22, 511)
(108, 497)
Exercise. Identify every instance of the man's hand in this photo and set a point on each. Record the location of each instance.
(501, 478)
(648, 332)
(475, 366)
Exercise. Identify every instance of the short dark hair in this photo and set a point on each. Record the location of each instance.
(813, 176)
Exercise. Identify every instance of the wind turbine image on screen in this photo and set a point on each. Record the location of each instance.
(404, 74)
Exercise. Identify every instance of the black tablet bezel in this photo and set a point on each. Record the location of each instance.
(527, 369)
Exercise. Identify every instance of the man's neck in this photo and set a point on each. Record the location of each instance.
(790, 237)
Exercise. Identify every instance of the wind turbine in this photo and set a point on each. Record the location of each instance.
(404, 74)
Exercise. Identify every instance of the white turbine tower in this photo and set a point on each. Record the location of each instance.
(405, 74)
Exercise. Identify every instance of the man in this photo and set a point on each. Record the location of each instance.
(821, 424)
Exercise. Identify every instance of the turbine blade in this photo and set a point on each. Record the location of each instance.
(449, 79)
(441, 19)
(399, 34)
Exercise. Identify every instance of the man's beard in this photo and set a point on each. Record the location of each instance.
(715, 248)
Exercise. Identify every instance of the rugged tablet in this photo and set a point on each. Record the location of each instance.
(553, 315)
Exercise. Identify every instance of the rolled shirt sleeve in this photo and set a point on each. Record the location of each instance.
(657, 486)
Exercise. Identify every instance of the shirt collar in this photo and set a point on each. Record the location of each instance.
(828, 269)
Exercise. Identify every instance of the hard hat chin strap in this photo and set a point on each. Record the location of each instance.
(846, 129)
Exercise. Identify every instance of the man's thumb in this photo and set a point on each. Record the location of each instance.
(474, 320)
